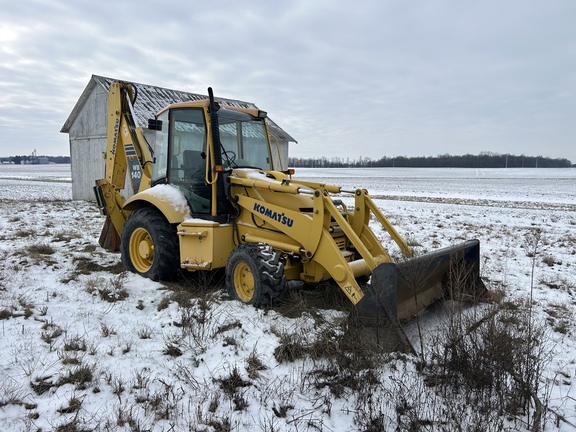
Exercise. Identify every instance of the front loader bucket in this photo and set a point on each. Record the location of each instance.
(399, 292)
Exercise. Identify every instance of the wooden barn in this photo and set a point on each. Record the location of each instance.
(86, 127)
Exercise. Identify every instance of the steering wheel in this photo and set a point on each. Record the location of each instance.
(230, 157)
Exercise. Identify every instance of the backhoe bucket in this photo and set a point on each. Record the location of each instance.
(109, 238)
(399, 292)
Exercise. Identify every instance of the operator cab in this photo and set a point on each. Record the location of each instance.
(185, 159)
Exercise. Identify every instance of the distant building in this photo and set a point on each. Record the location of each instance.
(86, 127)
(40, 160)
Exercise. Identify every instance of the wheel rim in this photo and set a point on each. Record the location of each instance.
(141, 250)
(244, 282)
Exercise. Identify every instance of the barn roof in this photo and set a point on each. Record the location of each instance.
(151, 99)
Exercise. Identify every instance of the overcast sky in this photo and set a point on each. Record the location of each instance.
(344, 78)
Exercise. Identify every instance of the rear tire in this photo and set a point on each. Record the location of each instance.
(255, 275)
(149, 245)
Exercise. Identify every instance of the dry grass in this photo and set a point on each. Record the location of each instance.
(316, 358)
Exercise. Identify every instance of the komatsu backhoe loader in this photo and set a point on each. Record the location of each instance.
(213, 193)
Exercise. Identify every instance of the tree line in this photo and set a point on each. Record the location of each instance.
(482, 160)
(33, 159)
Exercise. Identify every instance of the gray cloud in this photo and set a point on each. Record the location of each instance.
(370, 78)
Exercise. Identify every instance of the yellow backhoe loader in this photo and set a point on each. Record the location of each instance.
(211, 192)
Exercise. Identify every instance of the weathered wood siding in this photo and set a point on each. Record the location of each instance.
(87, 145)
(87, 165)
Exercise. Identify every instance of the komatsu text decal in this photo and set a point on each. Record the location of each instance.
(115, 138)
(278, 217)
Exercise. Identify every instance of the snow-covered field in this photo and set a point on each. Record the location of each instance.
(35, 182)
(86, 346)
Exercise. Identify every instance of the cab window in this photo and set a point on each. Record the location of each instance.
(160, 168)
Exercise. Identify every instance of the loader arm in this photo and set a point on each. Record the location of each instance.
(126, 151)
(364, 206)
(310, 234)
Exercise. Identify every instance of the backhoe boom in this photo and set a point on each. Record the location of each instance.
(126, 151)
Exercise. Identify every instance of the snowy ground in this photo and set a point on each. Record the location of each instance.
(89, 347)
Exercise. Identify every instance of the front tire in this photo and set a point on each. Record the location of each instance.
(255, 275)
(149, 245)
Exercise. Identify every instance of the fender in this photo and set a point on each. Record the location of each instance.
(166, 198)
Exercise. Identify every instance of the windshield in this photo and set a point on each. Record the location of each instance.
(244, 140)
(181, 153)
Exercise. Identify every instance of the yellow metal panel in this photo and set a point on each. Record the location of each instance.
(167, 209)
(204, 245)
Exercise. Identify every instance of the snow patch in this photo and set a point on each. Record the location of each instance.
(170, 195)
